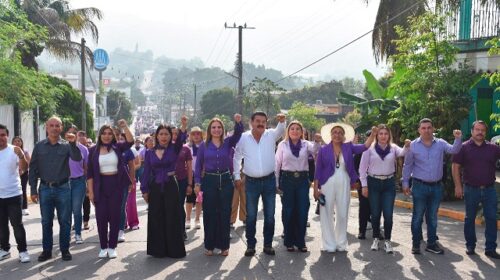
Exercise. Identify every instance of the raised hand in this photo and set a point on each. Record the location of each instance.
(122, 123)
(407, 143)
(280, 117)
(457, 133)
(19, 152)
(70, 137)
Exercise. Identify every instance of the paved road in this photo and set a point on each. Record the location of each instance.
(358, 263)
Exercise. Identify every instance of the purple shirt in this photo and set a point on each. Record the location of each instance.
(76, 167)
(325, 162)
(158, 169)
(181, 166)
(426, 163)
(478, 163)
(212, 159)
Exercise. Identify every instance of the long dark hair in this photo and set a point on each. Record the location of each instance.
(21, 139)
(160, 127)
(101, 131)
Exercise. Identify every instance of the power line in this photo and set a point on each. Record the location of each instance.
(350, 43)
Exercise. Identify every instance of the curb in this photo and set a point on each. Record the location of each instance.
(443, 212)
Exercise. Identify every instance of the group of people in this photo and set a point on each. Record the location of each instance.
(221, 170)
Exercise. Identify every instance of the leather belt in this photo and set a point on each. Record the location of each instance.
(295, 174)
(428, 183)
(53, 184)
(218, 173)
(261, 178)
(78, 178)
(381, 177)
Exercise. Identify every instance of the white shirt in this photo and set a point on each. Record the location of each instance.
(259, 156)
(10, 183)
(372, 164)
(108, 163)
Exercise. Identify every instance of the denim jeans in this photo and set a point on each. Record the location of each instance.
(426, 198)
(254, 188)
(58, 198)
(78, 190)
(295, 209)
(488, 198)
(10, 210)
(382, 194)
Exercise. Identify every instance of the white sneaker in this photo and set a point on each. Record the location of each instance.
(135, 227)
(375, 244)
(388, 247)
(103, 253)
(197, 225)
(78, 239)
(112, 253)
(26, 212)
(121, 236)
(4, 255)
(24, 257)
(188, 224)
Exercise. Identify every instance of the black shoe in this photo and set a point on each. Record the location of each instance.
(415, 250)
(45, 255)
(66, 255)
(492, 254)
(185, 236)
(434, 249)
(250, 252)
(470, 251)
(268, 250)
(361, 236)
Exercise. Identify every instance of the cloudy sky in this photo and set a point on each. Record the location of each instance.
(289, 34)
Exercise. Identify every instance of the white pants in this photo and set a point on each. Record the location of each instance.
(334, 214)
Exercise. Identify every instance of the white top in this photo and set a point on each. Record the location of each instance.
(135, 152)
(10, 183)
(286, 161)
(259, 157)
(193, 165)
(372, 164)
(108, 163)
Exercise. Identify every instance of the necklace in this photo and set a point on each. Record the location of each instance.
(337, 160)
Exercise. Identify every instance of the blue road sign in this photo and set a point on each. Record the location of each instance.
(101, 59)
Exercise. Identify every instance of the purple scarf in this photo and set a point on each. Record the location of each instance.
(108, 146)
(195, 150)
(295, 148)
(382, 152)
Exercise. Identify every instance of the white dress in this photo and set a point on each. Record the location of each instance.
(334, 214)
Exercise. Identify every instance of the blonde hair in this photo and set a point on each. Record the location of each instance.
(288, 129)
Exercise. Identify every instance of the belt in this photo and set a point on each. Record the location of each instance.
(261, 178)
(480, 187)
(295, 174)
(218, 173)
(427, 183)
(78, 178)
(382, 177)
(171, 173)
(54, 184)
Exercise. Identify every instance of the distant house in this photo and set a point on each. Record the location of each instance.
(331, 112)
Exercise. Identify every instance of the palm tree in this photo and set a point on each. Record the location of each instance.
(62, 22)
(388, 16)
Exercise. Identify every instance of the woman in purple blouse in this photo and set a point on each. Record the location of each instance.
(335, 174)
(161, 191)
(213, 175)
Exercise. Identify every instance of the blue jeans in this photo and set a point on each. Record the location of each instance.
(217, 200)
(426, 198)
(254, 188)
(58, 198)
(78, 190)
(295, 209)
(123, 214)
(381, 194)
(488, 198)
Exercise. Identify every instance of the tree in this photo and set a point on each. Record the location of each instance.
(260, 96)
(137, 97)
(306, 115)
(353, 118)
(218, 101)
(326, 92)
(494, 77)
(62, 22)
(119, 106)
(228, 122)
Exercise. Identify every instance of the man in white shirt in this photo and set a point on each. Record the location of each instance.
(257, 148)
(11, 160)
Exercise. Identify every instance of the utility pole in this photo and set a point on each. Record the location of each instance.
(84, 111)
(240, 62)
(195, 117)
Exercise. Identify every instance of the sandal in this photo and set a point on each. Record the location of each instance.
(303, 249)
(209, 253)
(224, 253)
(290, 249)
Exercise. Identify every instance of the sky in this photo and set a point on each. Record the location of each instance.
(289, 34)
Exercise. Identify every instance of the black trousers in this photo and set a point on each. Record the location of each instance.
(24, 183)
(364, 212)
(10, 210)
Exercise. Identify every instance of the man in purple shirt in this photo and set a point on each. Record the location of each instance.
(78, 183)
(424, 164)
(477, 160)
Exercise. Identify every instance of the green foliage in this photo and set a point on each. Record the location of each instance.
(118, 106)
(353, 118)
(227, 121)
(218, 101)
(494, 77)
(261, 96)
(306, 115)
(326, 92)
(137, 97)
